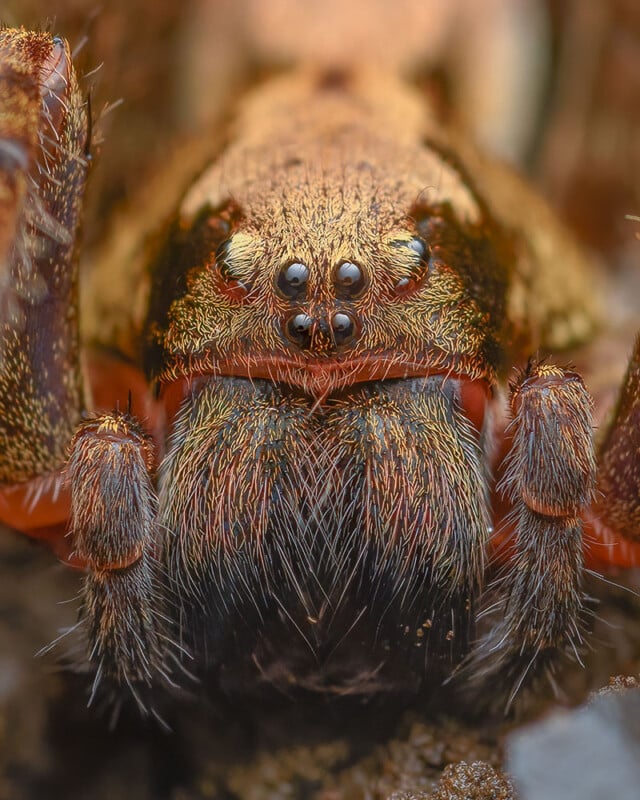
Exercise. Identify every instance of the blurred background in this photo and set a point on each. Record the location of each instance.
(551, 85)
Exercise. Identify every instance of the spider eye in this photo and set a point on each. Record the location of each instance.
(292, 280)
(344, 328)
(219, 227)
(298, 330)
(417, 275)
(418, 246)
(349, 279)
(231, 284)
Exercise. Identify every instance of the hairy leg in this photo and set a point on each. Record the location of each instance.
(59, 474)
(43, 166)
(548, 476)
(615, 516)
(113, 530)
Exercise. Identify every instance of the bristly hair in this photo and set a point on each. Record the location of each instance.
(310, 547)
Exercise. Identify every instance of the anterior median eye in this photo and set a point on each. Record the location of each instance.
(344, 328)
(298, 329)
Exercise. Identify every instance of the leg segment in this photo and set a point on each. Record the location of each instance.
(549, 475)
(112, 524)
(43, 130)
(615, 517)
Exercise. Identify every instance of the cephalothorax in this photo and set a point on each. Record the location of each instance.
(329, 314)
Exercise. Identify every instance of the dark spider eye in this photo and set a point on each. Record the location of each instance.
(292, 280)
(418, 246)
(404, 286)
(234, 288)
(298, 330)
(410, 283)
(343, 326)
(349, 278)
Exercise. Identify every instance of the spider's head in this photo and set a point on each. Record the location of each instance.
(331, 275)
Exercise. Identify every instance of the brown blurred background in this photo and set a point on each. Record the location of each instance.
(551, 85)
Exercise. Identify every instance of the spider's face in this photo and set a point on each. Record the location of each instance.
(330, 334)
(321, 271)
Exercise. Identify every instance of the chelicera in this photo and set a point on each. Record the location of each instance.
(307, 486)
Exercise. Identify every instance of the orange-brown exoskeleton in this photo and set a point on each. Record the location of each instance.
(311, 496)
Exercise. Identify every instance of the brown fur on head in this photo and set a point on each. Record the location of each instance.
(350, 181)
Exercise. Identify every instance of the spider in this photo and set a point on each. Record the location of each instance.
(297, 471)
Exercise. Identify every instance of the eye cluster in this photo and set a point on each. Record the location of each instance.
(306, 327)
(349, 283)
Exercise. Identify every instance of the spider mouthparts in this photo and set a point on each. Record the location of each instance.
(321, 381)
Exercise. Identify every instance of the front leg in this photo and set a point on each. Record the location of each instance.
(113, 531)
(104, 498)
(615, 517)
(43, 167)
(549, 477)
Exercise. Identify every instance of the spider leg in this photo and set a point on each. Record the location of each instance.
(113, 530)
(615, 515)
(43, 166)
(549, 476)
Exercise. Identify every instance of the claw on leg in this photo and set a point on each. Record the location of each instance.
(549, 477)
(112, 525)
